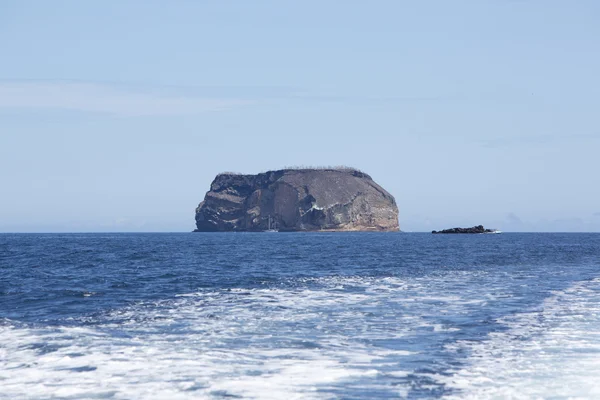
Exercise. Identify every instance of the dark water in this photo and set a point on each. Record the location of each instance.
(348, 315)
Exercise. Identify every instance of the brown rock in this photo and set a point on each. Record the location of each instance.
(297, 200)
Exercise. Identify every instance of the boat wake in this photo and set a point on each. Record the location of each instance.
(550, 352)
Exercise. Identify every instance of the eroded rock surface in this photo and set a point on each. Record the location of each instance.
(297, 200)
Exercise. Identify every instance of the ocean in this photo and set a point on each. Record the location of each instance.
(299, 316)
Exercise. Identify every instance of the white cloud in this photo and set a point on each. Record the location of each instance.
(91, 97)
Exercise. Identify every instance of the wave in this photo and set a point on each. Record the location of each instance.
(319, 337)
(552, 351)
(258, 343)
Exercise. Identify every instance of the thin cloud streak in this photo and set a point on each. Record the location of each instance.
(98, 98)
(534, 140)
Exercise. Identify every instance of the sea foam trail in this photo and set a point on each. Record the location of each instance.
(257, 343)
(321, 338)
(552, 352)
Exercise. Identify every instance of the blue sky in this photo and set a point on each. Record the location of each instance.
(117, 115)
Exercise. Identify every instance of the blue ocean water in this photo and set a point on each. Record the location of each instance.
(299, 315)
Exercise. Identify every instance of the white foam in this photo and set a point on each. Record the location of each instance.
(553, 352)
(307, 340)
(262, 343)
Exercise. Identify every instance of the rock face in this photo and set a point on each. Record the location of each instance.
(475, 229)
(297, 200)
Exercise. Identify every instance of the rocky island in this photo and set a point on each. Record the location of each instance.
(475, 229)
(328, 199)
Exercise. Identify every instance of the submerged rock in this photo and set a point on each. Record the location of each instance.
(475, 229)
(297, 200)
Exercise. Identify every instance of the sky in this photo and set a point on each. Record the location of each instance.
(117, 115)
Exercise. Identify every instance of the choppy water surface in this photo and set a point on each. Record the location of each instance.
(285, 316)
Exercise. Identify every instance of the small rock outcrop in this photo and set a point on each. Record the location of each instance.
(475, 229)
(297, 200)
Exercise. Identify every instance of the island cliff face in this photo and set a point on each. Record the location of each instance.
(297, 200)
